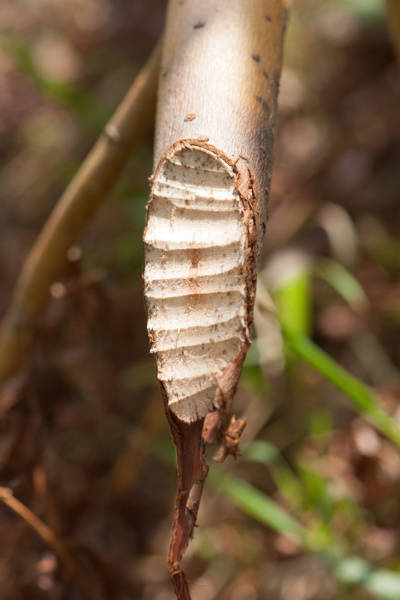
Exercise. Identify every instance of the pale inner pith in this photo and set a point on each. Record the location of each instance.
(194, 284)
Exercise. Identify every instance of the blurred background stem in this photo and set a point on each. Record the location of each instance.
(74, 210)
(393, 11)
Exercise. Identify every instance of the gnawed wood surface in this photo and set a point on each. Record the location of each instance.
(196, 247)
(206, 220)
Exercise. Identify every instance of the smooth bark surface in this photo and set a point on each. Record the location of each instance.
(215, 132)
(74, 210)
(219, 81)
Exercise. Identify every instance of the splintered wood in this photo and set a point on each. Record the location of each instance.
(195, 247)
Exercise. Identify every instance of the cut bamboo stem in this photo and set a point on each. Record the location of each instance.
(74, 210)
(215, 131)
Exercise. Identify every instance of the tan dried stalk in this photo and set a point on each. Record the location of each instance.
(74, 210)
(48, 536)
(393, 13)
(215, 130)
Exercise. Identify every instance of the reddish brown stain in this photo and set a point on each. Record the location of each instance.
(190, 117)
(268, 18)
(256, 57)
(211, 427)
(198, 25)
(193, 278)
(194, 259)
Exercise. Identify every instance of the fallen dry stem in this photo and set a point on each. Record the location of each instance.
(51, 540)
(74, 210)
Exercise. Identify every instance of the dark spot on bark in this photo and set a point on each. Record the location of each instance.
(198, 25)
(194, 259)
(277, 79)
(190, 117)
(191, 515)
(267, 190)
(256, 57)
(164, 72)
(265, 74)
(268, 18)
(263, 103)
(263, 149)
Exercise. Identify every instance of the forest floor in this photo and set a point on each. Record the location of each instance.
(83, 438)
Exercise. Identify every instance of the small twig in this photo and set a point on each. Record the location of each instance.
(75, 208)
(48, 536)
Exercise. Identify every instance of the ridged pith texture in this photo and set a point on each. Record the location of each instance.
(195, 289)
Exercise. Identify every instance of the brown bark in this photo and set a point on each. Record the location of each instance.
(192, 471)
(74, 210)
(217, 99)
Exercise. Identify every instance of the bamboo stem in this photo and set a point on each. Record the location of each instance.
(47, 535)
(215, 131)
(74, 210)
(393, 13)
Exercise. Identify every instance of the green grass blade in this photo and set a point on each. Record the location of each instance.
(359, 395)
(349, 570)
(293, 300)
(342, 281)
(89, 112)
(352, 570)
(257, 505)
(368, 11)
(267, 454)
